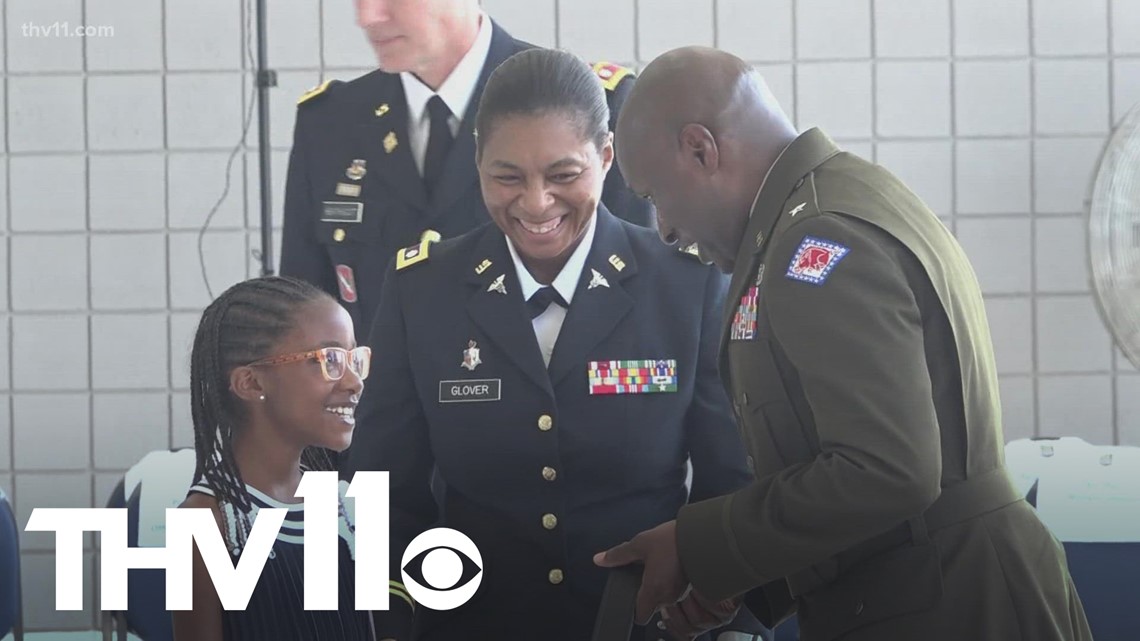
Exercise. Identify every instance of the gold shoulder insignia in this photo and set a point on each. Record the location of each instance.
(611, 74)
(417, 253)
(316, 91)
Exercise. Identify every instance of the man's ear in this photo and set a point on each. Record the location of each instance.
(246, 385)
(698, 144)
(607, 153)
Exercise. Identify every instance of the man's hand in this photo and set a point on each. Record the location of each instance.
(695, 615)
(663, 581)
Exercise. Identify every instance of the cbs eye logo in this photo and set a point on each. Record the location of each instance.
(442, 569)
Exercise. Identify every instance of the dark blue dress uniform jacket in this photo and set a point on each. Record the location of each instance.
(347, 122)
(619, 460)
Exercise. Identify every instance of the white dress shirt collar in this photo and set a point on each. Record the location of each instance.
(457, 90)
(567, 280)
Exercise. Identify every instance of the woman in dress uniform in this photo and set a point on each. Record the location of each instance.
(556, 369)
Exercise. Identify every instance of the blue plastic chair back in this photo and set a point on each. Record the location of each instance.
(1105, 572)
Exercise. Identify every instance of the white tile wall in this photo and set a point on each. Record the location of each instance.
(992, 97)
(1079, 405)
(1067, 28)
(912, 28)
(127, 192)
(126, 427)
(36, 32)
(819, 23)
(1125, 86)
(756, 30)
(38, 203)
(1071, 96)
(912, 99)
(113, 150)
(1125, 26)
(203, 110)
(1064, 170)
(205, 34)
(991, 27)
(137, 43)
(45, 113)
(665, 24)
(345, 45)
(293, 43)
(196, 181)
(49, 273)
(835, 94)
(1001, 250)
(581, 31)
(5, 435)
(125, 112)
(128, 351)
(927, 167)
(993, 176)
(1070, 336)
(1061, 260)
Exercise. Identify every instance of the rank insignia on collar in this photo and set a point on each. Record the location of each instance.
(483, 266)
(597, 280)
(617, 262)
(391, 142)
(382, 109)
(814, 260)
(497, 285)
(471, 356)
(797, 209)
(356, 170)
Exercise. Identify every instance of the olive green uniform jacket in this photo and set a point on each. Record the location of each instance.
(858, 356)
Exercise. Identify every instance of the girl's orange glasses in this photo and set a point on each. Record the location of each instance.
(335, 361)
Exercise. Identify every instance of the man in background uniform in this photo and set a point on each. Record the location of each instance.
(856, 351)
(388, 159)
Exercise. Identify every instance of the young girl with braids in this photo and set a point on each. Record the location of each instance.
(275, 377)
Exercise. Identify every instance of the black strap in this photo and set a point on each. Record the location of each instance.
(615, 616)
(439, 142)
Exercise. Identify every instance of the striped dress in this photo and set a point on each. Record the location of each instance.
(276, 611)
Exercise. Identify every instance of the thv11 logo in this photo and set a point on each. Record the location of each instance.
(438, 552)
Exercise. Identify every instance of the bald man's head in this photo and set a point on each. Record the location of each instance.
(696, 135)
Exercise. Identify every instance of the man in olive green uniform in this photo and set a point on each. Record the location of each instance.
(857, 354)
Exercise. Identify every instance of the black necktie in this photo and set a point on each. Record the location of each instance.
(540, 300)
(439, 142)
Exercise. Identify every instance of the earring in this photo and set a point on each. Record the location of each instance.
(261, 398)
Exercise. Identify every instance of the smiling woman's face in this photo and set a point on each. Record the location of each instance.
(541, 181)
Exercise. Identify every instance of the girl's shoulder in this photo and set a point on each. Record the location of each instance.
(200, 497)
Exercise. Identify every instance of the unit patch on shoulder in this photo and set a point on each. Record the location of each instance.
(814, 260)
(611, 74)
(319, 90)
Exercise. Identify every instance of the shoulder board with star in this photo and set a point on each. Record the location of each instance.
(322, 89)
(610, 74)
(418, 253)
